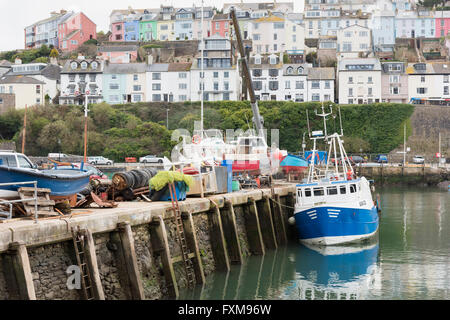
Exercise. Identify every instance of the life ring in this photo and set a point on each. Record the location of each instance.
(196, 139)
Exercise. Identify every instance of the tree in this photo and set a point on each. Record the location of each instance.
(54, 53)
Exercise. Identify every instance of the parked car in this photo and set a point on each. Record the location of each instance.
(381, 158)
(358, 159)
(100, 160)
(151, 159)
(418, 159)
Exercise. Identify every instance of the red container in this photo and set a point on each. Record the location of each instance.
(130, 160)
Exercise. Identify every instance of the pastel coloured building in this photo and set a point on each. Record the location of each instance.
(74, 30)
(184, 19)
(220, 25)
(131, 30)
(117, 31)
(148, 30)
(442, 19)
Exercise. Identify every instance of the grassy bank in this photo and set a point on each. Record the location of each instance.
(139, 129)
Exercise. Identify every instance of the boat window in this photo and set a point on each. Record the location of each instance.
(319, 192)
(331, 191)
(343, 189)
(352, 188)
(307, 192)
(8, 160)
(24, 163)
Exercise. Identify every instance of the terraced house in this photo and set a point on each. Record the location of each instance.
(184, 19)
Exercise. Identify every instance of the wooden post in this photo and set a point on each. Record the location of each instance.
(279, 220)
(231, 233)
(218, 244)
(265, 218)
(130, 261)
(253, 228)
(93, 265)
(22, 271)
(191, 239)
(160, 244)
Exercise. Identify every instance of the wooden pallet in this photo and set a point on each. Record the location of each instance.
(45, 205)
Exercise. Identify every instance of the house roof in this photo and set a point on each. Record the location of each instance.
(117, 48)
(321, 74)
(68, 69)
(271, 18)
(19, 80)
(5, 63)
(125, 68)
(220, 16)
(174, 67)
(295, 67)
(70, 35)
(360, 61)
(158, 67)
(50, 71)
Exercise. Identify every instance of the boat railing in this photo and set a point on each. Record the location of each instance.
(11, 203)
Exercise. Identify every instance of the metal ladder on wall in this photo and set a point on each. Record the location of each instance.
(86, 281)
(188, 266)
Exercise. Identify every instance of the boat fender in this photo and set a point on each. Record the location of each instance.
(291, 221)
(196, 139)
(349, 175)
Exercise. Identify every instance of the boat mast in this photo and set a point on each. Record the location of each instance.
(202, 76)
(24, 129)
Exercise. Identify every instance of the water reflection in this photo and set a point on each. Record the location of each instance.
(410, 259)
(296, 272)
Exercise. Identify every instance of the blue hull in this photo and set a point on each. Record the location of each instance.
(335, 225)
(62, 183)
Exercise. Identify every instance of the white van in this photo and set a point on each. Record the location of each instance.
(57, 155)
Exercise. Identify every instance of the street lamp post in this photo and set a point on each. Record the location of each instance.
(86, 97)
(167, 118)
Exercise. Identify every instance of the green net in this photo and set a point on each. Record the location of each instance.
(162, 178)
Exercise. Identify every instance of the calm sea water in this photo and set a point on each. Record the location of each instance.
(408, 259)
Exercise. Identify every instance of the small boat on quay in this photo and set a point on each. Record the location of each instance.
(16, 167)
(334, 206)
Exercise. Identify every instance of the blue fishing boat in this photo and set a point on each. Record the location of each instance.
(16, 167)
(334, 206)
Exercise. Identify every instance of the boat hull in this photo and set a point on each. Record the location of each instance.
(327, 225)
(62, 183)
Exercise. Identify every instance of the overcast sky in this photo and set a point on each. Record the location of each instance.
(15, 15)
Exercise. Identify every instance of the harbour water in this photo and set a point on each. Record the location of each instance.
(408, 259)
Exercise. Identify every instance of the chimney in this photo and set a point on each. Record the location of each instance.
(62, 11)
(18, 61)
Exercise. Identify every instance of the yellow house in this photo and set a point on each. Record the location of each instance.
(20, 91)
(166, 30)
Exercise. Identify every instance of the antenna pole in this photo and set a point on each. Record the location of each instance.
(202, 76)
(24, 129)
(340, 121)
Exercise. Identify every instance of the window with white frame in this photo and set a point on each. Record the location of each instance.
(156, 86)
(287, 84)
(182, 86)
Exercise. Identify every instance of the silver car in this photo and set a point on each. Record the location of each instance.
(419, 159)
(151, 159)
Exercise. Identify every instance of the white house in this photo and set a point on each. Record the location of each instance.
(321, 84)
(79, 77)
(294, 83)
(221, 76)
(47, 73)
(353, 41)
(359, 80)
(428, 82)
(169, 82)
(267, 77)
(16, 92)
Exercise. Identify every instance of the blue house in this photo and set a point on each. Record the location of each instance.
(184, 20)
(131, 30)
(383, 32)
(114, 84)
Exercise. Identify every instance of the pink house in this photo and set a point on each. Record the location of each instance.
(442, 27)
(118, 53)
(75, 30)
(117, 33)
(220, 24)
